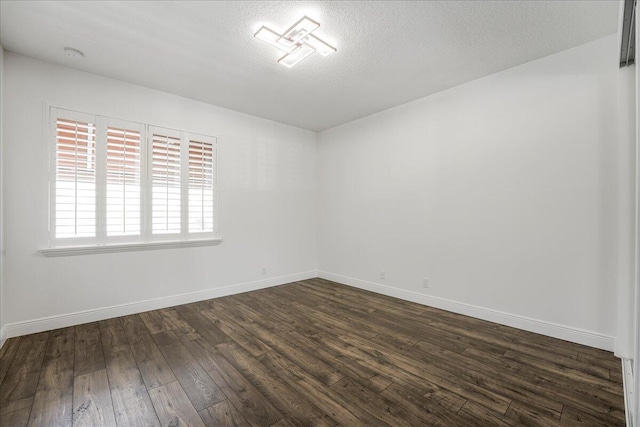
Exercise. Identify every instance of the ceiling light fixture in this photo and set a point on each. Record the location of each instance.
(297, 42)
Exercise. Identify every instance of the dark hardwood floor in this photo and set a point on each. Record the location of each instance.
(312, 353)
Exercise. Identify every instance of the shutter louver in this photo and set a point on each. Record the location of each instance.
(75, 174)
(165, 183)
(201, 186)
(123, 182)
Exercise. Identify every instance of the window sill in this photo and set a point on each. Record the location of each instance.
(126, 247)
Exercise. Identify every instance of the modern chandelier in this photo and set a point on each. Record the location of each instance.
(297, 42)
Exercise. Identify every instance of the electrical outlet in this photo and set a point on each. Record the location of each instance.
(425, 282)
(383, 275)
(264, 270)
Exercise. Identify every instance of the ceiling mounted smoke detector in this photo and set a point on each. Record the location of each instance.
(73, 53)
(297, 42)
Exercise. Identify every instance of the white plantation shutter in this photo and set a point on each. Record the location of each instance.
(123, 179)
(166, 180)
(113, 181)
(202, 158)
(74, 211)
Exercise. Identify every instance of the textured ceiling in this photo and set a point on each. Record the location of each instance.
(389, 52)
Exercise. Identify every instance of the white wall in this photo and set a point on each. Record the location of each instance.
(627, 230)
(267, 203)
(626, 168)
(502, 192)
(1, 197)
(636, 326)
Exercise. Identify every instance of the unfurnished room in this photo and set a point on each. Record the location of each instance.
(319, 213)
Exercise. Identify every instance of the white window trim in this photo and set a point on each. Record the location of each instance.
(126, 247)
(53, 247)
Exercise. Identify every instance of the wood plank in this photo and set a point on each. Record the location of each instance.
(15, 404)
(155, 322)
(564, 391)
(493, 379)
(323, 397)
(285, 399)
(408, 332)
(237, 333)
(253, 406)
(570, 369)
(612, 363)
(197, 384)
(338, 323)
(424, 406)
(322, 371)
(29, 356)
(21, 380)
(615, 375)
(183, 330)
(88, 348)
(441, 396)
(173, 406)
(281, 318)
(203, 352)
(319, 304)
(467, 388)
(554, 344)
(131, 402)
(521, 415)
(575, 417)
(485, 417)
(18, 418)
(153, 367)
(565, 370)
(206, 328)
(223, 414)
(378, 406)
(92, 405)
(52, 404)
(300, 340)
(9, 350)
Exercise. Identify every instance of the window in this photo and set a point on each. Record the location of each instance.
(120, 182)
(75, 174)
(124, 182)
(166, 188)
(201, 186)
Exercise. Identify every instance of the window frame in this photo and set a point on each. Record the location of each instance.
(53, 140)
(191, 136)
(57, 246)
(101, 196)
(164, 237)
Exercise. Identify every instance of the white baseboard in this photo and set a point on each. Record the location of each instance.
(568, 333)
(80, 317)
(554, 330)
(628, 387)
